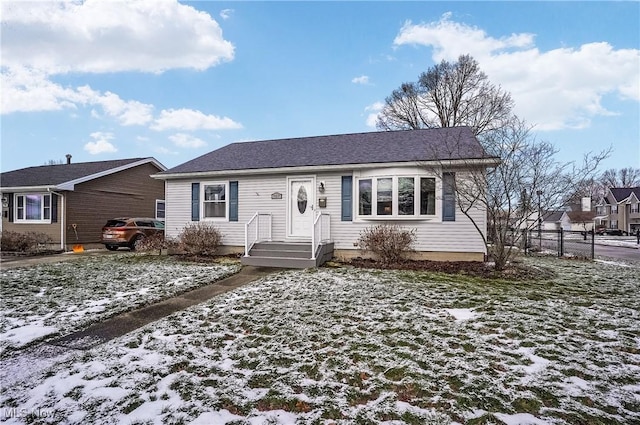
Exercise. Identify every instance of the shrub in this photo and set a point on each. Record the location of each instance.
(23, 242)
(155, 242)
(388, 242)
(200, 239)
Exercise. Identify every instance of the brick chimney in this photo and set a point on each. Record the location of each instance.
(68, 158)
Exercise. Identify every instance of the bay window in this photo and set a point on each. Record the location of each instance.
(396, 196)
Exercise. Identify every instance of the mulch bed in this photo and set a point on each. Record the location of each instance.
(515, 271)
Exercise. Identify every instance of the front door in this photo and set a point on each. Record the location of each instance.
(301, 205)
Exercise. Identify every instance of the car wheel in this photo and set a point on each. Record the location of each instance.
(111, 247)
(135, 242)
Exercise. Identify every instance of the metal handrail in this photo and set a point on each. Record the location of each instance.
(321, 232)
(256, 221)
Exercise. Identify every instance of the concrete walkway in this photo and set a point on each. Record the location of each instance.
(124, 323)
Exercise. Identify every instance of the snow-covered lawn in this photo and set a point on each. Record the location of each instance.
(349, 346)
(49, 299)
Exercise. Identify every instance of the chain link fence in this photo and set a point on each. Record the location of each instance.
(560, 242)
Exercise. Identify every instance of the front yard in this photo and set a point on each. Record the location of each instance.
(344, 346)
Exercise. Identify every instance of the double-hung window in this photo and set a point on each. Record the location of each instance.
(214, 201)
(396, 197)
(33, 208)
(160, 209)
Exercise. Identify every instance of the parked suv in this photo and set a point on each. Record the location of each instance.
(127, 232)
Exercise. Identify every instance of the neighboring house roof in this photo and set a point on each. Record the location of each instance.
(622, 193)
(66, 176)
(552, 216)
(581, 216)
(453, 143)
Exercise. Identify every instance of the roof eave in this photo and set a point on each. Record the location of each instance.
(70, 185)
(43, 188)
(471, 162)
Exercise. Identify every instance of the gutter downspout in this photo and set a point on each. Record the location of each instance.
(63, 245)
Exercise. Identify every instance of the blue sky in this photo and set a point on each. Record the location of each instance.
(105, 80)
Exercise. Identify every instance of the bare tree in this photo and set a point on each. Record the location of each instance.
(527, 182)
(624, 177)
(54, 162)
(448, 95)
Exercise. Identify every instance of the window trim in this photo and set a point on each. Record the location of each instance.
(203, 186)
(395, 215)
(42, 208)
(158, 201)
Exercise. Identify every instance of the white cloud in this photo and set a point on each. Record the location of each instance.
(100, 144)
(363, 79)
(31, 91)
(555, 89)
(187, 141)
(374, 110)
(189, 119)
(226, 13)
(110, 36)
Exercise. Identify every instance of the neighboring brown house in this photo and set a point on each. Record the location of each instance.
(71, 202)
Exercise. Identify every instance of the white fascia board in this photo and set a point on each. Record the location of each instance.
(632, 199)
(27, 189)
(70, 185)
(488, 162)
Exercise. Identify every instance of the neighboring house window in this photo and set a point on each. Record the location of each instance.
(160, 209)
(601, 210)
(214, 200)
(448, 197)
(614, 224)
(614, 209)
(635, 208)
(33, 208)
(407, 197)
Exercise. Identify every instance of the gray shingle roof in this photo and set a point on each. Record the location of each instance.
(359, 148)
(51, 175)
(552, 216)
(622, 193)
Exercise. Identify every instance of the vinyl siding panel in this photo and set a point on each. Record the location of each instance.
(128, 193)
(431, 235)
(50, 229)
(254, 194)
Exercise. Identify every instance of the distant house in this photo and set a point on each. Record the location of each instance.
(71, 202)
(620, 209)
(311, 197)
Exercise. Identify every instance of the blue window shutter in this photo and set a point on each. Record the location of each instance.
(233, 201)
(448, 197)
(195, 201)
(347, 198)
(54, 208)
(10, 199)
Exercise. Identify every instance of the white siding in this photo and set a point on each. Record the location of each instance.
(431, 235)
(254, 195)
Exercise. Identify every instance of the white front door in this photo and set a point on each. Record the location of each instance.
(301, 206)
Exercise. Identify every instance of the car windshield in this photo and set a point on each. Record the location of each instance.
(159, 224)
(115, 223)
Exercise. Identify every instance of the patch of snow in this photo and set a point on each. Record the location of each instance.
(612, 263)
(520, 419)
(220, 417)
(462, 314)
(23, 335)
